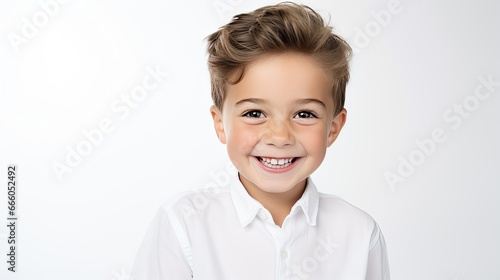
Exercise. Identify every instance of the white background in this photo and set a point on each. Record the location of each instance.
(441, 222)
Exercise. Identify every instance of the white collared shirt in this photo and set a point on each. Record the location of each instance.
(225, 234)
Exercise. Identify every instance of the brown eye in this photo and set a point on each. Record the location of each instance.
(253, 114)
(305, 115)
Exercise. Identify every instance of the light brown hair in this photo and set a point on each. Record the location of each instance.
(285, 27)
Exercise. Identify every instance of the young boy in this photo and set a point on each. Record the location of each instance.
(278, 77)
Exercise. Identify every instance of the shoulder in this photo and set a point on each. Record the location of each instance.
(336, 214)
(334, 203)
(335, 208)
(194, 201)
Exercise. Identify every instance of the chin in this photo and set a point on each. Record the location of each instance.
(274, 184)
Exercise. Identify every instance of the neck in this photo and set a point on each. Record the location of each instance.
(278, 204)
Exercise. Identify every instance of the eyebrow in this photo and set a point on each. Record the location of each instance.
(310, 100)
(262, 101)
(250, 100)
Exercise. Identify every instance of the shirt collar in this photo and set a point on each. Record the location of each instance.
(247, 207)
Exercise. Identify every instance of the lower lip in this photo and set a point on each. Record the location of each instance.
(277, 170)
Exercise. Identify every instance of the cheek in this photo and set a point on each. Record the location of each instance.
(314, 140)
(242, 138)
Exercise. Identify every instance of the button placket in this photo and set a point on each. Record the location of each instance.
(283, 255)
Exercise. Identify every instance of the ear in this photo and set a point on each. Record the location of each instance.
(337, 124)
(218, 124)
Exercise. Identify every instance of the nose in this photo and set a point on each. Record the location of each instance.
(279, 134)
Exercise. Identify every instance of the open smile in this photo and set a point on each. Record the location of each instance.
(277, 163)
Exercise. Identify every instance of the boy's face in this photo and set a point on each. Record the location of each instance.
(278, 121)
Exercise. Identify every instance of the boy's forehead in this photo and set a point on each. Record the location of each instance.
(282, 78)
(284, 61)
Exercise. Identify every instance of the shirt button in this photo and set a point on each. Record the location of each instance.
(284, 254)
(262, 215)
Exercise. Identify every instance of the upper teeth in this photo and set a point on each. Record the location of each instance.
(277, 161)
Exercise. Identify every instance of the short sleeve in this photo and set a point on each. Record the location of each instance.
(378, 264)
(160, 256)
